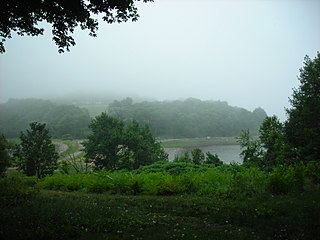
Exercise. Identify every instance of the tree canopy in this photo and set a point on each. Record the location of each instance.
(113, 146)
(104, 142)
(296, 140)
(303, 124)
(64, 16)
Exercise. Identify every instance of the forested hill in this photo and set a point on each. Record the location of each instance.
(189, 118)
(62, 120)
(174, 119)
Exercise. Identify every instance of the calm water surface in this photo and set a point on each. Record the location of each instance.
(227, 153)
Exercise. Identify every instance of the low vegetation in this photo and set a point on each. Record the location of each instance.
(187, 178)
(164, 201)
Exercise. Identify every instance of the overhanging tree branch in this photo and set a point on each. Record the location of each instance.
(23, 17)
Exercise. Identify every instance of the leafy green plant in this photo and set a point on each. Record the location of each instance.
(284, 179)
(249, 182)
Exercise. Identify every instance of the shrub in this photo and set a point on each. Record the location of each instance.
(249, 182)
(284, 179)
(170, 186)
(16, 185)
(213, 182)
(312, 173)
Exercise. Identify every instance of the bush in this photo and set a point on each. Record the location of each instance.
(16, 185)
(312, 174)
(284, 179)
(170, 186)
(213, 182)
(249, 182)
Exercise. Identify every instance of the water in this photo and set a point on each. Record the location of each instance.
(227, 153)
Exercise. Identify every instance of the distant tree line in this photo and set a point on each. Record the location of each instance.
(189, 118)
(62, 120)
(177, 119)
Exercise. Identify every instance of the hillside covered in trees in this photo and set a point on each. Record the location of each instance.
(62, 120)
(189, 118)
(166, 119)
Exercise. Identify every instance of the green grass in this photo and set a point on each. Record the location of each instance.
(155, 202)
(198, 142)
(61, 215)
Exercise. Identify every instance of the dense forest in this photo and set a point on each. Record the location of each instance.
(62, 120)
(189, 118)
(173, 119)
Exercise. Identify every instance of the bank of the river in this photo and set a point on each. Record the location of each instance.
(198, 142)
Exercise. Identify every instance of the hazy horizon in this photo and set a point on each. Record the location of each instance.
(247, 53)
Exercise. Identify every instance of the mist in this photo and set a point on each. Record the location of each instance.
(247, 53)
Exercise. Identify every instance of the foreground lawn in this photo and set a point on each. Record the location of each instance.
(76, 215)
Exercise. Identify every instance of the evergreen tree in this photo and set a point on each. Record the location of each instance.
(37, 152)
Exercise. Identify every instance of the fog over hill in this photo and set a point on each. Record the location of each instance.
(169, 119)
(247, 53)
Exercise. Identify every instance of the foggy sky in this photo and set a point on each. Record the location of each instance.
(247, 53)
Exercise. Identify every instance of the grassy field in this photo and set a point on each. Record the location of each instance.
(164, 201)
(198, 142)
(63, 215)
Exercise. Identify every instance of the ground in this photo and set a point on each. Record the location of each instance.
(63, 215)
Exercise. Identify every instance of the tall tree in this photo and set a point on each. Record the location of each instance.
(146, 150)
(64, 16)
(112, 146)
(37, 152)
(105, 141)
(273, 141)
(303, 125)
